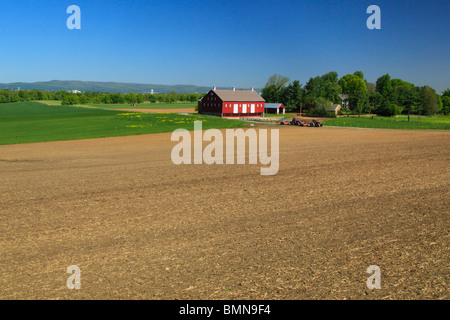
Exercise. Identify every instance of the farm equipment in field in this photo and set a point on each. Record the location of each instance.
(294, 122)
(298, 122)
(315, 123)
(284, 121)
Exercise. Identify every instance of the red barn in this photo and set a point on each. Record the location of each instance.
(232, 104)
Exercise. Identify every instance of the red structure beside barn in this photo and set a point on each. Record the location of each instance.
(232, 104)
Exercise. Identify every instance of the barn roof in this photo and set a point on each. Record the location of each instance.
(239, 95)
(273, 105)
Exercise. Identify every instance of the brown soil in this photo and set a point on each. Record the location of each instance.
(140, 227)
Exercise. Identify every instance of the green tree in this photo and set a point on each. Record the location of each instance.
(278, 81)
(359, 102)
(151, 98)
(83, 98)
(371, 88)
(446, 93)
(359, 74)
(24, 95)
(131, 97)
(430, 101)
(322, 107)
(384, 85)
(376, 101)
(172, 97)
(313, 88)
(407, 97)
(330, 77)
(96, 100)
(275, 88)
(445, 105)
(34, 95)
(356, 88)
(400, 82)
(60, 95)
(140, 98)
(326, 86)
(291, 96)
(446, 102)
(42, 95)
(70, 99)
(271, 94)
(193, 97)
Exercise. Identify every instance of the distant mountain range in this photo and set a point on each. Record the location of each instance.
(112, 87)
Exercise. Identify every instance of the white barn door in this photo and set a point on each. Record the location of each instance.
(244, 108)
(252, 108)
(235, 108)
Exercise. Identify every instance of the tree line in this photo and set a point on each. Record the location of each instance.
(385, 97)
(69, 98)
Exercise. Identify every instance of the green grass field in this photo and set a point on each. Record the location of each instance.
(26, 122)
(416, 123)
(287, 115)
(145, 105)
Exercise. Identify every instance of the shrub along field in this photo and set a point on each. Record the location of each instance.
(26, 122)
(420, 123)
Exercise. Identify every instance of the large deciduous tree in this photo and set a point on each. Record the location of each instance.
(325, 86)
(359, 74)
(384, 85)
(356, 88)
(430, 101)
(446, 102)
(271, 94)
(291, 96)
(278, 81)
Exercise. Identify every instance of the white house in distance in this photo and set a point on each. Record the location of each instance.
(344, 99)
(274, 108)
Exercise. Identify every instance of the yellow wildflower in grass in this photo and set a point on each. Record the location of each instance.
(128, 114)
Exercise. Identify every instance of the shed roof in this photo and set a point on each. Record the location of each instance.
(334, 107)
(239, 95)
(273, 105)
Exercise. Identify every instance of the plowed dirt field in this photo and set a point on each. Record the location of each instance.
(140, 227)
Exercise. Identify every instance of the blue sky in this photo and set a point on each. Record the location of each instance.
(225, 42)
